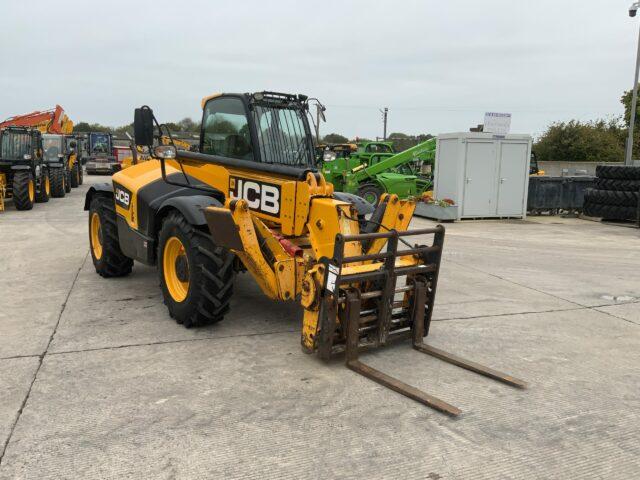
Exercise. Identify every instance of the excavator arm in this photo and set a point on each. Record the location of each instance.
(47, 121)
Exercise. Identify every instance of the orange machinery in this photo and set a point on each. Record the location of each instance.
(47, 121)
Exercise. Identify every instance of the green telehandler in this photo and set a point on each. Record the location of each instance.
(375, 169)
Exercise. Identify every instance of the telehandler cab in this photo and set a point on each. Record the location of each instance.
(253, 199)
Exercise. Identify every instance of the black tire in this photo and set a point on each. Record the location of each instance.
(44, 188)
(23, 189)
(56, 176)
(74, 176)
(111, 262)
(618, 172)
(612, 197)
(80, 173)
(67, 181)
(210, 274)
(609, 212)
(371, 193)
(620, 185)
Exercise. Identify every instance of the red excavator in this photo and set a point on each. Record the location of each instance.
(47, 121)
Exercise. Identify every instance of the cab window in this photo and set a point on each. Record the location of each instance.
(226, 130)
(378, 148)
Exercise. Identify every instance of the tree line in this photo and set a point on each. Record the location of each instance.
(601, 140)
(186, 126)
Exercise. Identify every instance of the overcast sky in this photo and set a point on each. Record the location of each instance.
(437, 65)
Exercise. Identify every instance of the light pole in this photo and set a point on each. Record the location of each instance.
(633, 9)
(385, 113)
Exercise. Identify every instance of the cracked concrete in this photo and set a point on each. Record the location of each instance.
(98, 381)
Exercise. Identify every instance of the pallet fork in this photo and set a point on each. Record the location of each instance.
(372, 317)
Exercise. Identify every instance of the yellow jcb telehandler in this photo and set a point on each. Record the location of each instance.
(252, 199)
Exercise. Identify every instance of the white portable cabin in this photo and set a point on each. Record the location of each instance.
(486, 175)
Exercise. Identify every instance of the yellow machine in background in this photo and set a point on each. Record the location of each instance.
(179, 144)
(252, 199)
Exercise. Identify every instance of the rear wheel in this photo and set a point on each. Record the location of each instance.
(609, 212)
(80, 173)
(44, 191)
(24, 190)
(56, 175)
(371, 193)
(618, 172)
(612, 197)
(196, 276)
(108, 259)
(74, 175)
(620, 185)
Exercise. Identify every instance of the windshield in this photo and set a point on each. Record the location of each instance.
(378, 148)
(100, 143)
(15, 145)
(52, 145)
(282, 136)
(68, 141)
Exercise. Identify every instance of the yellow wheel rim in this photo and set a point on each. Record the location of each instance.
(175, 267)
(32, 191)
(96, 235)
(47, 185)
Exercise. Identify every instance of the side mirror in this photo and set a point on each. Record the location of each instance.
(143, 126)
(322, 116)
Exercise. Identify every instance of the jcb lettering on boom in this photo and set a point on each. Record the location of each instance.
(260, 196)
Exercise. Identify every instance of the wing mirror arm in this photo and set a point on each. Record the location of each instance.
(144, 122)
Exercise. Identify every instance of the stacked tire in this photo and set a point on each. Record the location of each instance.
(616, 195)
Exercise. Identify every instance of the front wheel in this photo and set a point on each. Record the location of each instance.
(44, 190)
(371, 193)
(74, 176)
(24, 190)
(80, 173)
(108, 259)
(67, 181)
(56, 175)
(196, 276)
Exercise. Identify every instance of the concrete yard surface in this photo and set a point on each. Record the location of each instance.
(97, 381)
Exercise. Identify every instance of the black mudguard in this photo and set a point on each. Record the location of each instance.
(97, 189)
(191, 207)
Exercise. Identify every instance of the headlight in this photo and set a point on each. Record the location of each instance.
(329, 156)
(60, 155)
(26, 156)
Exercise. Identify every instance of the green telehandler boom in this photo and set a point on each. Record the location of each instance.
(376, 169)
